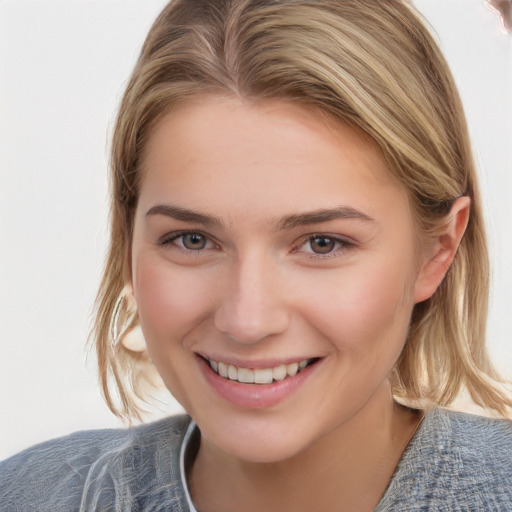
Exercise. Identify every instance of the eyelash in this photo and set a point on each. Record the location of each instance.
(341, 244)
(173, 237)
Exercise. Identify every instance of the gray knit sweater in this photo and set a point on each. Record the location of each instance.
(455, 462)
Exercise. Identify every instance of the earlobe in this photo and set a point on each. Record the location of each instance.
(441, 253)
(126, 330)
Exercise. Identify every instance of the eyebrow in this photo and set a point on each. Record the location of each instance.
(184, 214)
(322, 215)
(286, 223)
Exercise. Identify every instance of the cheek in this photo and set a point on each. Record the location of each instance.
(363, 310)
(170, 300)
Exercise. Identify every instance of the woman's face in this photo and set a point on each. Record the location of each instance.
(265, 240)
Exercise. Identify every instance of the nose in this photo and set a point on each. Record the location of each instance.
(252, 305)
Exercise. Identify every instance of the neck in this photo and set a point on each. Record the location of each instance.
(347, 469)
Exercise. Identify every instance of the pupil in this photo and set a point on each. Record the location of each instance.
(194, 241)
(322, 245)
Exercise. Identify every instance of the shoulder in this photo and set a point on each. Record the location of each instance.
(97, 470)
(455, 461)
(467, 442)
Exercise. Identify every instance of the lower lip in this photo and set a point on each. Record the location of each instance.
(255, 396)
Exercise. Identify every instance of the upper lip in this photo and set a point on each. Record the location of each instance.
(256, 363)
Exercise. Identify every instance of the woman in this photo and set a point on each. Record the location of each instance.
(296, 227)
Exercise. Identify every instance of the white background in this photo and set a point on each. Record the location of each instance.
(63, 65)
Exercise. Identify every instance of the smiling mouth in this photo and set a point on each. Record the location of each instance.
(259, 375)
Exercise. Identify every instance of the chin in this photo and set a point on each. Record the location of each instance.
(258, 438)
(263, 451)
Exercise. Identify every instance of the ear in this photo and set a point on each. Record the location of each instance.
(132, 339)
(440, 253)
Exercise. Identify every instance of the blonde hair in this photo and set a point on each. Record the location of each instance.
(372, 65)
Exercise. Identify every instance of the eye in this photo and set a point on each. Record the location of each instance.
(193, 241)
(323, 245)
(189, 241)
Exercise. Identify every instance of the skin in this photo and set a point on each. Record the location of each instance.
(253, 289)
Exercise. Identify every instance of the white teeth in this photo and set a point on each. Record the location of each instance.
(292, 369)
(223, 369)
(263, 376)
(279, 372)
(232, 372)
(259, 375)
(246, 375)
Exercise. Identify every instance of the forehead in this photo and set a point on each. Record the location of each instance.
(217, 151)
